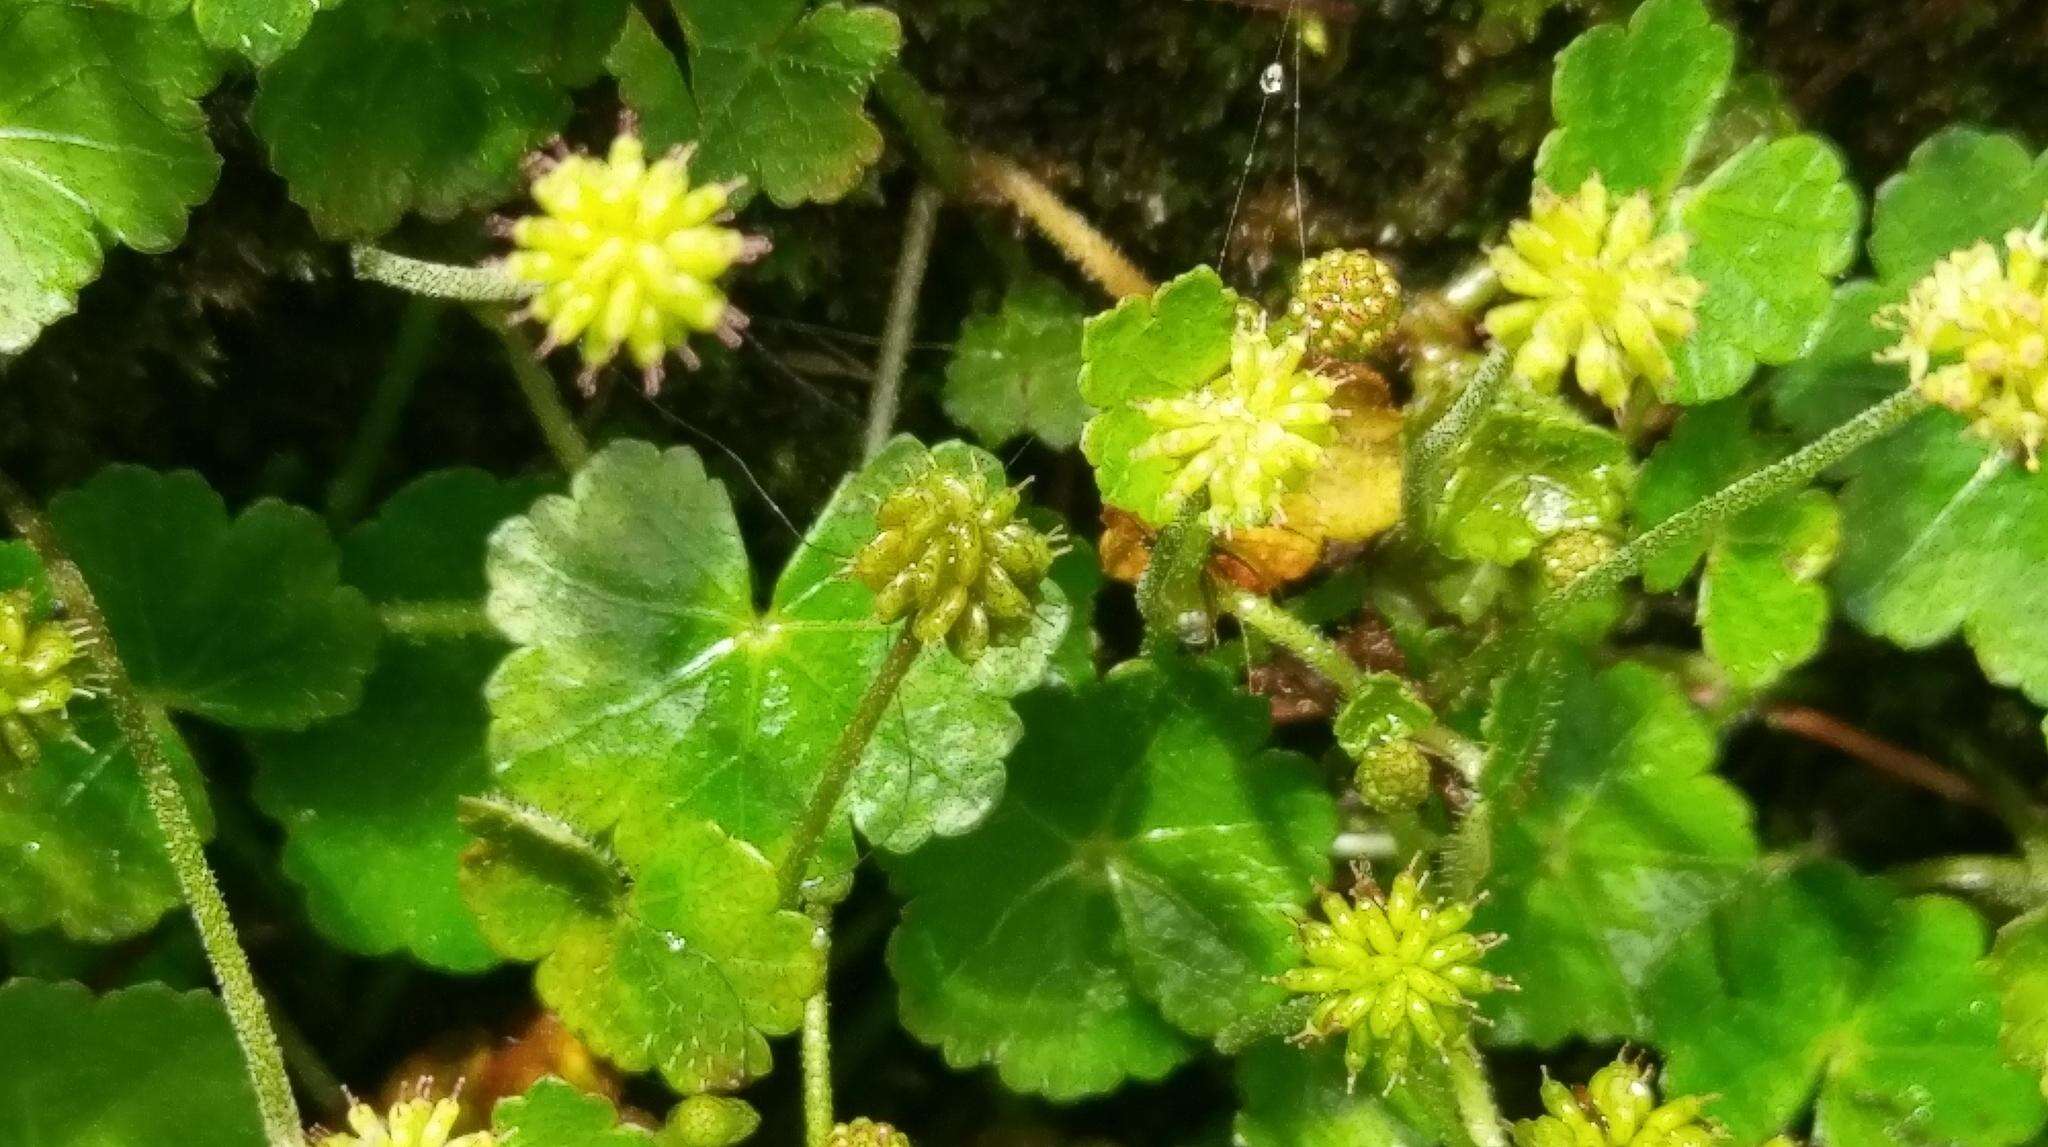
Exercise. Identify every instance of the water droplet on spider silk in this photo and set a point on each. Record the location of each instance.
(1273, 80)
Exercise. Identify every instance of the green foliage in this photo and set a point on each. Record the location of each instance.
(1633, 103)
(1940, 534)
(144, 1065)
(681, 961)
(1770, 231)
(2019, 961)
(239, 619)
(1014, 372)
(1610, 836)
(1292, 1098)
(775, 91)
(391, 106)
(368, 800)
(1816, 977)
(1103, 911)
(1761, 609)
(1533, 469)
(101, 142)
(554, 1114)
(262, 30)
(647, 683)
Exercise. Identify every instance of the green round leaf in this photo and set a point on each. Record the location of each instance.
(1532, 469)
(1959, 187)
(682, 962)
(145, 1065)
(1016, 371)
(240, 620)
(101, 142)
(390, 106)
(1818, 978)
(647, 682)
(1605, 847)
(1135, 882)
(368, 801)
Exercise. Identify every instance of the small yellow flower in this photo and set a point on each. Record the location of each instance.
(626, 255)
(414, 1122)
(1250, 437)
(1391, 972)
(1618, 1108)
(1974, 335)
(952, 556)
(39, 676)
(867, 1133)
(1598, 292)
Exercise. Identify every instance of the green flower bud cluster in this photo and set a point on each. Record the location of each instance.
(39, 676)
(1618, 1108)
(1346, 303)
(1564, 557)
(954, 559)
(1377, 728)
(711, 1121)
(867, 1133)
(1393, 776)
(1391, 973)
(626, 256)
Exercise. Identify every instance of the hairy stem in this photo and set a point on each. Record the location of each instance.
(436, 280)
(351, 487)
(1450, 432)
(1781, 477)
(543, 397)
(422, 621)
(1088, 249)
(817, 1062)
(141, 724)
(846, 753)
(902, 321)
(944, 160)
(1474, 1096)
(1296, 636)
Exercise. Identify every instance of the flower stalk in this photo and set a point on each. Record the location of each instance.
(437, 280)
(142, 724)
(1441, 440)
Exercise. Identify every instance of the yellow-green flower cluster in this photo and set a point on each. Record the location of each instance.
(1598, 292)
(1345, 304)
(867, 1133)
(954, 559)
(626, 255)
(1250, 437)
(1618, 1108)
(412, 1122)
(1391, 972)
(39, 676)
(1974, 334)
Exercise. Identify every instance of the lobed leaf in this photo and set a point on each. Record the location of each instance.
(682, 961)
(1817, 978)
(648, 684)
(1135, 883)
(143, 1065)
(1292, 1097)
(239, 619)
(1534, 468)
(1633, 103)
(1605, 848)
(1761, 608)
(1770, 230)
(262, 30)
(1016, 371)
(102, 141)
(391, 106)
(778, 92)
(368, 801)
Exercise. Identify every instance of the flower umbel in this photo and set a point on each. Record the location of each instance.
(1345, 303)
(1390, 972)
(954, 559)
(1618, 1108)
(626, 255)
(39, 675)
(867, 1133)
(1598, 292)
(414, 1122)
(1248, 438)
(1974, 334)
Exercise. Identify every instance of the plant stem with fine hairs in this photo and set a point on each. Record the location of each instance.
(902, 321)
(437, 280)
(141, 724)
(1450, 432)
